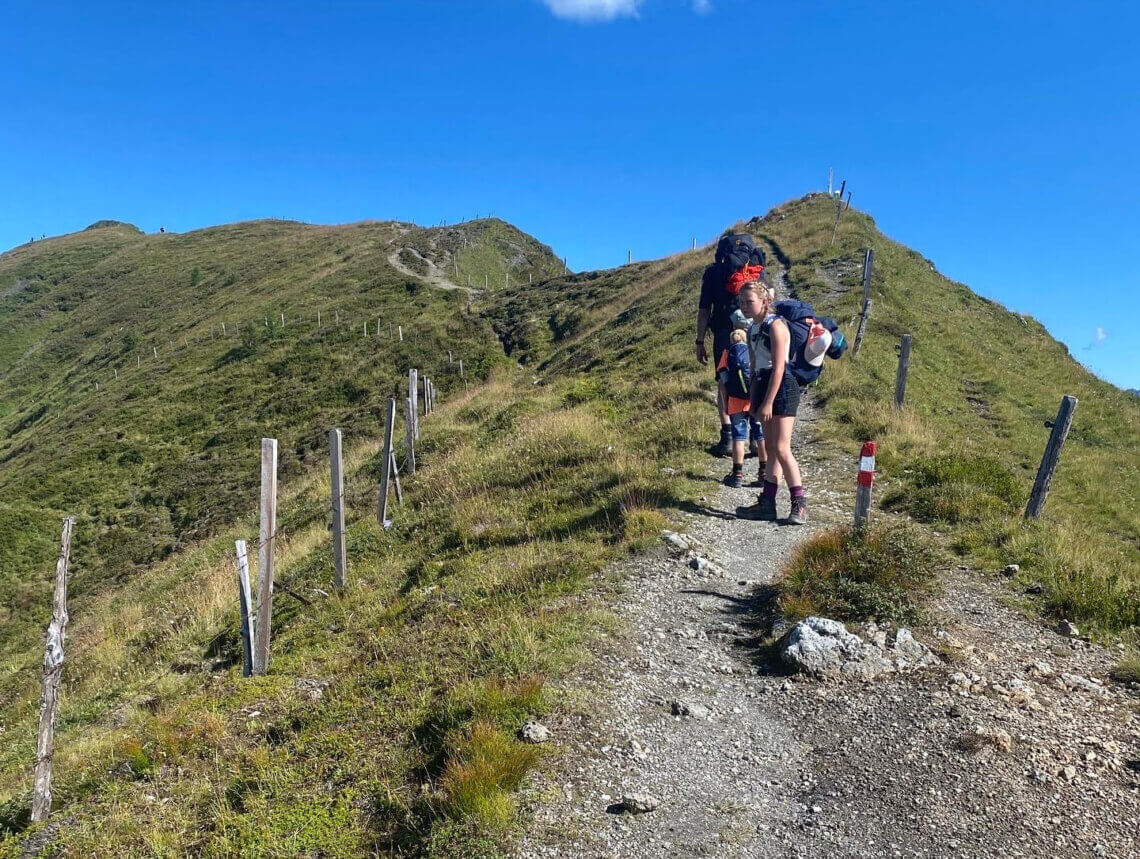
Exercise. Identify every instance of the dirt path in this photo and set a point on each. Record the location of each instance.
(433, 274)
(775, 766)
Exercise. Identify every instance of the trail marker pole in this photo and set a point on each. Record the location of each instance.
(53, 675)
(245, 606)
(904, 366)
(410, 421)
(1051, 457)
(336, 460)
(266, 538)
(866, 480)
(388, 467)
(868, 266)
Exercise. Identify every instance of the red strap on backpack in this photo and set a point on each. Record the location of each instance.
(742, 276)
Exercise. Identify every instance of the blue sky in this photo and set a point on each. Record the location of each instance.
(998, 139)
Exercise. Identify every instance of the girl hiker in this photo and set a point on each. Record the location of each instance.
(775, 401)
(734, 375)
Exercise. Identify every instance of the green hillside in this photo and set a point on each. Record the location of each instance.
(531, 483)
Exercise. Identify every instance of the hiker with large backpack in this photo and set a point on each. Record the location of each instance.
(788, 345)
(737, 261)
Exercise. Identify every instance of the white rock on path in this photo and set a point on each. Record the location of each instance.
(534, 732)
(640, 803)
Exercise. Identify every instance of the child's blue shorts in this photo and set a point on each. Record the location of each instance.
(742, 424)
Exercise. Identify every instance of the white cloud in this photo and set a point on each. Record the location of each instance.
(593, 10)
(1101, 334)
(702, 7)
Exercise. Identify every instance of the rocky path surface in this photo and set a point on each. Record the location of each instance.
(1013, 745)
(432, 273)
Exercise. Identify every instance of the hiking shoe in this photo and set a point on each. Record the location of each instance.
(764, 510)
(799, 514)
(723, 448)
(734, 479)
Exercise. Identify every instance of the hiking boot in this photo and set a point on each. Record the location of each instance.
(799, 514)
(764, 510)
(734, 479)
(723, 447)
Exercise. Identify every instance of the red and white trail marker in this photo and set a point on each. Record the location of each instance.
(866, 481)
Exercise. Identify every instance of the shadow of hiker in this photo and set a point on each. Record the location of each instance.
(759, 617)
(705, 510)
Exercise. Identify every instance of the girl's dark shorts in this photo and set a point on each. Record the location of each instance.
(787, 401)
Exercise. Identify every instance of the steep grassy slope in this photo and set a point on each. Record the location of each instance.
(123, 400)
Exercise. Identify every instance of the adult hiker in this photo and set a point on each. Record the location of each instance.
(737, 261)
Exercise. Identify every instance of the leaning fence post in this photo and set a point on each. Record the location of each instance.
(1050, 458)
(904, 367)
(53, 674)
(410, 421)
(245, 605)
(414, 399)
(386, 468)
(266, 538)
(868, 265)
(866, 480)
(336, 460)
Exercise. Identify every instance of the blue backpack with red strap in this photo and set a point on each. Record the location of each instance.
(812, 338)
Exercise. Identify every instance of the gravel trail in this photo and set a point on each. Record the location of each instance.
(682, 704)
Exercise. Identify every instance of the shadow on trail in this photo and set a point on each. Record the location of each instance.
(759, 618)
(705, 510)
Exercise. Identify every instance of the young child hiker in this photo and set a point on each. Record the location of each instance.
(775, 401)
(734, 373)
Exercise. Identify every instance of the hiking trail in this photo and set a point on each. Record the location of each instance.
(768, 765)
(433, 274)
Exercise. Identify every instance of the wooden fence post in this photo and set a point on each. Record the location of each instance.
(868, 265)
(410, 421)
(245, 606)
(336, 460)
(388, 466)
(266, 539)
(866, 480)
(1052, 455)
(461, 376)
(401, 330)
(53, 674)
(904, 366)
(414, 399)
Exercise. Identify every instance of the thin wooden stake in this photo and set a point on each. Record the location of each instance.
(318, 319)
(410, 422)
(388, 467)
(401, 330)
(154, 349)
(282, 320)
(868, 266)
(904, 366)
(53, 675)
(1051, 457)
(223, 329)
(461, 376)
(365, 329)
(336, 460)
(245, 607)
(396, 477)
(267, 536)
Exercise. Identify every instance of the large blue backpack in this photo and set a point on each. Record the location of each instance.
(800, 317)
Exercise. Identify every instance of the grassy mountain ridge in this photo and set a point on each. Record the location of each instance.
(438, 653)
(161, 452)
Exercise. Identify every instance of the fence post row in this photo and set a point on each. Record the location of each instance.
(904, 367)
(1051, 457)
(388, 466)
(266, 538)
(245, 605)
(336, 460)
(866, 481)
(53, 675)
(868, 265)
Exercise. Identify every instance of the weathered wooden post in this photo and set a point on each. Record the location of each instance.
(318, 319)
(461, 376)
(866, 480)
(53, 675)
(336, 460)
(266, 538)
(245, 606)
(414, 399)
(904, 367)
(154, 349)
(410, 421)
(223, 329)
(401, 330)
(282, 320)
(365, 329)
(868, 265)
(388, 466)
(450, 359)
(1052, 455)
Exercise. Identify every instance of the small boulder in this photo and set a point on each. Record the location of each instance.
(640, 803)
(1068, 629)
(1011, 570)
(978, 738)
(534, 732)
(677, 542)
(822, 647)
(689, 709)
